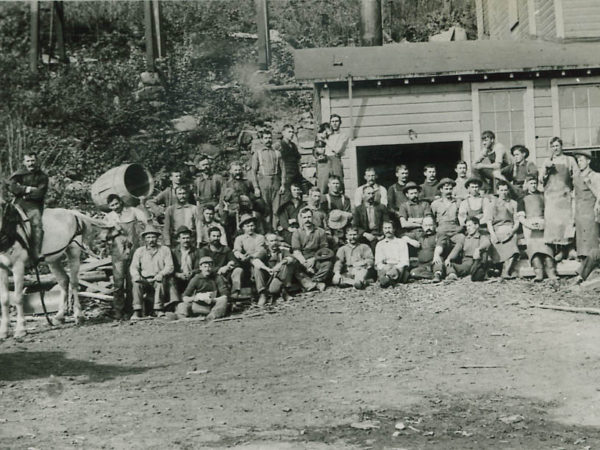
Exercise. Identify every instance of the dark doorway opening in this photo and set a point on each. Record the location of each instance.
(385, 158)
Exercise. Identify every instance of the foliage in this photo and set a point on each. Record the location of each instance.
(82, 118)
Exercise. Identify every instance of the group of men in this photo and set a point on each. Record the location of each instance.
(277, 234)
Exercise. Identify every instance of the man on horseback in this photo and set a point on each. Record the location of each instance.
(29, 186)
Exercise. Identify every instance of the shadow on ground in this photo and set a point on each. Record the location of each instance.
(19, 366)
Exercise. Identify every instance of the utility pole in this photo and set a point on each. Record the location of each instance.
(264, 45)
(154, 38)
(34, 36)
(149, 32)
(58, 11)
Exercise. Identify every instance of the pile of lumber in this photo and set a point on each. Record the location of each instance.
(95, 285)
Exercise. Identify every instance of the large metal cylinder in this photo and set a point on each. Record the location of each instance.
(371, 30)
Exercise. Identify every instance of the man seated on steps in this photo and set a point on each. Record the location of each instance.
(469, 255)
(354, 261)
(310, 248)
(207, 294)
(430, 251)
(150, 268)
(274, 272)
(391, 257)
(247, 247)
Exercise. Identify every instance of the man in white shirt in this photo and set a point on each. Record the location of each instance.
(380, 191)
(391, 257)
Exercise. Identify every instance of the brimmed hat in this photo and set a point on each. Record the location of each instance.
(205, 260)
(324, 254)
(474, 180)
(246, 218)
(150, 229)
(338, 219)
(183, 229)
(586, 153)
(445, 181)
(521, 148)
(410, 185)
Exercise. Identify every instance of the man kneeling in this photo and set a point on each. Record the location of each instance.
(206, 294)
(354, 261)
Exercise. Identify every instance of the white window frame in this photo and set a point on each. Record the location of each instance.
(554, 85)
(528, 112)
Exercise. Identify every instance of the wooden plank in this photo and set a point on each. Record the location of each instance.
(91, 265)
(95, 288)
(97, 296)
(402, 90)
(447, 99)
(408, 109)
(392, 130)
(412, 119)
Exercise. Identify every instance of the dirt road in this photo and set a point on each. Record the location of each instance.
(455, 366)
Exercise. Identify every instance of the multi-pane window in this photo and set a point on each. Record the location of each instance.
(503, 112)
(579, 111)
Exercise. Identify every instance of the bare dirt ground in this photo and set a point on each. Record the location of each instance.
(453, 366)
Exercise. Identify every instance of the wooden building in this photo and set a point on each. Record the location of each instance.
(418, 103)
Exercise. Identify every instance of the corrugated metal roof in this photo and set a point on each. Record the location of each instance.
(421, 59)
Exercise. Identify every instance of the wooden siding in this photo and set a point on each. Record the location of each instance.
(545, 19)
(393, 111)
(543, 119)
(522, 29)
(498, 19)
(581, 18)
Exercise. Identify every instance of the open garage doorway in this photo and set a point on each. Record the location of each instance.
(385, 158)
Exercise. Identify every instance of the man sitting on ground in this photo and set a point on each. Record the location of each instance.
(307, 245)
(392, 258)
(274, 273)
(207, 294)
(354, 260)
(151, 266)
(430, 251)
(469, 255)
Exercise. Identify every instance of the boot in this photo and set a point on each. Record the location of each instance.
(550, 267)
(538, 268)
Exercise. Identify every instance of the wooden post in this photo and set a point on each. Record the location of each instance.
(158, 35)
(264, 45)
(351, 108)
(34, 36)
(59, 14)
(149, 32)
